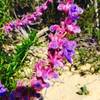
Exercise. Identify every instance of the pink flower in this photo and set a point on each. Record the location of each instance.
(60, 7)
(38, 11)
(53, 28)
(41, 9)
(68, 21)
(73, 28)
(56, 41)
(38, 84)
(65, 6)
(44, 71)
(33, 17)
(39, 68)
(26, 20)
(55, 59)
(18, 23)
(51, 1)
(49, 73)
(44, 7)
(70, 1)
(9, 27)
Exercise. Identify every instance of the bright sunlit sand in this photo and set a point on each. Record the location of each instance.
(72, 83)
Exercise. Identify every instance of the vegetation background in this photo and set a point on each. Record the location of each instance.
(15, 49)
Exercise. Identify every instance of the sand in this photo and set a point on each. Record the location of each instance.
(71, 83)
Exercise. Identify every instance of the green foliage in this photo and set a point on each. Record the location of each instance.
(83, 90)
(87, 20)
(82, 55)
(21, 52)
(72, 37)
(97, 35)
(10, 64)
(4, 12)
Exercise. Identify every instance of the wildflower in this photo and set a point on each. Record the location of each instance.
(75, 11)
(44, 7)
(68, 21)
(27, 19)
(38, 84)
(56, 40)
(69, 49)
(19, 23)
(72, 28)
(3, 90)
(70, 1)
(53, 28)
(49, 73)
(54, 43)
(51, 1)
(39, 68)
(33, 17)
(56, 60)
(44, 71)
(9, 27)
(60, 7)
(65, 6)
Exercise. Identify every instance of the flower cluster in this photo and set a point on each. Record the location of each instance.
(63, 48)
(60, 48)
(27, 19)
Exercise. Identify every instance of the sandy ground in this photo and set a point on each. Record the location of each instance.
(66, 90)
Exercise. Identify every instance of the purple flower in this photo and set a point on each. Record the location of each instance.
(69, 49)
(38, 84)
(55, 41)
(9, 27)
(75, 11)
(53, 28)
(3, 90)
(24, 93)
(68, 54)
